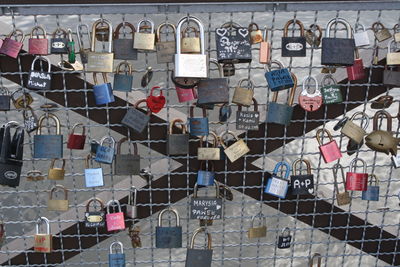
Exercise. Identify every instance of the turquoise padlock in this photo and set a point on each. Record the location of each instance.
(123, 81)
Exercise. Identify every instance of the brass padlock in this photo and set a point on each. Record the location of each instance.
(260, 231)
(34, 175)
(341, 198)
(353, 131)
(190, 44)
(244, 96)
(237, 149)
(209, 153)
(166, 49)
(256, 35)
(58, 204)
(43, 242)
(144, 40)
(100, 61)
(381, 33)
(56, 173)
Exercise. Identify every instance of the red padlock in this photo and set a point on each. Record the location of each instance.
(356, 72)
(155, 103)
(310, 102)
(11, 47)
(76, 141)
(115, 221)
(185, 95)
(38, 46)
(357, 181)
(330, 151)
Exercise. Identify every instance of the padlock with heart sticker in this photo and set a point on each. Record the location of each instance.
(155, 103)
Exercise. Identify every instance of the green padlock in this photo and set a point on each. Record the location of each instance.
(330, 90)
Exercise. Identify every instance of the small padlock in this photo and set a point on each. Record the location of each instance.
(225, 112)
(93, 176)
(209, 153)
(331, 92)
(134, 232)
(259, 231)
(58, 204)
(248, 120)
(329, 151)
(166, 49)
(48, 146)
(357, 181)
(341, 198)
(105, 154)
(372, 192)
(116, 259)
(199, 257)
(127, 164)
(353, 131)
(96, 218)
(39, 79)
(198, 125)
(279, 79)
(71, 49)
(284, 239)
(155, 103)
(34, 175)
(43, 242)
(243, 96)
(23, 101)
(310, 102)
(2, 233)
(391, 77)
(206, 177)
(293, 46)
(143, 40)
(190, 44)
(136, 119)
(228, 69)
(264, 55)
(123, 48)
(4, 99)
(393, 56)
(77, 141)
(102, 92)
(184, 94)
(276, 185)
(312, 38)
(206, 207)
(102, 32)
(12, 47)
(38, 46)
(59, 42)
(56, 173)
(178, 144)
(235, 151)
(123, 82)
(115, 221)
(302, 184)
(100, 61)
(168, 237)
(360, 37)
(381, 33)
(82, 50)
(356, 72)
(131, 207)
(311, 260)
(255, 35)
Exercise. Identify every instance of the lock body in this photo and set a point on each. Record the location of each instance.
(39, 80)
(284, 241)
(265, 52)
(5, 102)
(105, 154)
(56, 174)
(48, 146)
(11, 47)
(353, 131)
(100, 62)
(391, 78)
(343, 198)
(144, 41)
(302, 184)
(127, 164)
(43, 243)
(279, 79)
(205, 178)
(331, 94)
(277, 187)
(38, 46)
(293, 46)
(122, 82)
(198, 257)
(95, 219)
(185, 95)
(178, 144)
(257, 232)
(76, 141)
(372, 193)
(190, 65)
(208, 153)
(57, 205)
(247, 120)
(199, 126)
(123, 49)
(115, 221)
(213, 91)
(233, 45)
(103, 94)
(356, 181)
(59, 46)
(337, 51)
(168, 237)
(165, 52)
(279, 113)
(236, 150)
(116, 260)
(94, 177)
(206, 208)
(330, 151)
(356, 72)
(136, 120)
(243, 96)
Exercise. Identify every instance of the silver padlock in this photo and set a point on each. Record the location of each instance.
(360, 36)
(131, 208)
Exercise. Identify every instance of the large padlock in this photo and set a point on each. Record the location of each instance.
(199, 257)
(36, 45)
(96, 218)
(206, 177)
(178, 144)
(235, 151)
(100, 61)
(115, 221)
(391, 77)
(360, 36)
(356, 72)
(30, 119)
(76, 141)
(198, 125)
(393, 56)
(353, 131)
(168, 237)
(56, 173)
(357, 181)
(23, 100)
(255, 34)
(59, 42)
(329, 151)
(243, 96)
(264, 55)
(144, 40)
(116, 259)
(93, 176)
(372, 192)
(344, 197)
(190, 44)
(43, 242)
(248, 120)
(80, 34)
(312, 38)
(206, 207)
(39, 79)
(127, 164)
(105, 154)
(123, 48)
(284, 239)
(312, 260)
(380, 31)
(330, 91)
(4, 99)
(135, 118)
(123, 81)
(2, 233)
(276, 185)
(260, 230)
(102, 92)
(209, 153)
(131, 207)
(58, 204)
(279, 79)
(48, 146)
(310, 101)
(12, 47)
(165, 50)
(190, 65)
(302, 184)
(293, 46)
(337, 51)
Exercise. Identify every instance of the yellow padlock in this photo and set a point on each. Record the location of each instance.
(56, 173)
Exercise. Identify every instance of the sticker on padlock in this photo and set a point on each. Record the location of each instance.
(243, 95)
(255, 34)
(144, 40)
(372, 192)
(93, 176)
(100, 61)
(344, 197)
(235, 151)
(56, 173)
(233, 44)
(259, 231)
(293, 46)
(312, 38)
(131, 207)
(123, 48)
(248, 120)
(357, 181)
(302, 184)
(393, 55)
(206, 176)
(59, 42)
(310, 101)
(206, 207)
(38, 46)
(155, 103)
(199, 257)
(77, 141)
(43, 242)
(105, 154)
(178, 144)
(209, 153)
(279, 79)
(96, 218)
(356, 72)
(198, 125)
(48, 146)
(136, 119)
(123, 81)
(165, 49)
(276, 185)
(115, 221)
(353, 131)
(116, 259)
(58, 204)
(168, 237)
(380, 31)
(360, 36)
(12, 47)
(127, 164)
(331, 92)
(330, 151)
(39, 79)
(284, 239)
(102, 92)
(80, 34)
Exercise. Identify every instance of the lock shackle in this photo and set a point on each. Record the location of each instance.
(134, 191)
(125, 139)
(56, 188)
(363, 117)
(109, 140)
(338, 21)
(102, 74)
(261, 215)
(94, 199)
(326, 78)
(376, 26)
(353, 165)
(144, 21)
(175, 121)
(121, 25)
(172, 210)
(357, 26)
(285, 232)
(53, 161)
(191, 111)
(268, 67)
(300, 161)
(373, 178)
(306, 81)
(382, 113)
(396, 28)
(231, 24)
(35, 31)
(116, 243)
(255, 105)
(215, 137)
(323, 131)
(44, 58)
(94, 30)
(335, 170)
(14, 32)
(127, 65)
(250, 84)
(60, 32)
(79, 33)
(70, 39)
(178, 33)
(252, 25)
(89, 157)
(39, 221)
(293, 21)
(278, 166)
(186, 31)
(154, 88)
(292, 91)
(222, 139)
(48, 116)
(166, 25)
(76, 125)
(196, 232)
(265, 33)
(220, 70)
(136, 106)
(216, 185)
(210, 165)
(113, 201)
(319, 260)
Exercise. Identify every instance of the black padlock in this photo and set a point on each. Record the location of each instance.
(284, 239)
(59, 42)
(246, 119)
(302, 184)
(199, 257)
(39, 79)
(293, 46)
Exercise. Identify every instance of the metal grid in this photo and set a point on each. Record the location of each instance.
(342, 236)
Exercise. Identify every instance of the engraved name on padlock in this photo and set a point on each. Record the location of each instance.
(209, 153)
(235, 151)
(199, 257)
(96, 218)
(331, 92)
(93, 176)
(276, 185)
(58, 204)
(168, 237)
(207, 207)
(100, 61)
(43, 242)
(310, 101)
(48, 146)
(105, 154)
(39, 79)
(246, 119)
(259, 231)
(344, 197)
(279, 79)
(178, 144)
(127, 164)
(115, 221)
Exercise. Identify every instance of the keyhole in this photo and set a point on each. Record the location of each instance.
(311, 107)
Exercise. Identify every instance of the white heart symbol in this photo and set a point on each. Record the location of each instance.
(221, 31)
(243, 32)
(311, 190)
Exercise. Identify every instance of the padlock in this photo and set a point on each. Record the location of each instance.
(36, 45)
(199, 257)
(225, 112)
(165, 50)
(39, 79)
(302, 184)
(243, 96)
(2, 233)
(310, 101)
(23, 101)
(147, 76)
(329, 151)
(341, 198)
(312, 259)
(190, 65)
(331, 92)
(213, 90)
(279, 79)
(127, 164)
(372, 192)
(12, 47)
(30, 120)
(116, 259)
(4, 99)
(93, 176)
(312, 38)
(284, 239)
(360, 36)
(48, 146)
(184, 94)
(206, 177)
(96, 218)
(82, 50)
(100, 61)
(353, 131)
(255, 35)
(11, 153)
(228, 69)
(134, 232)
(168, 237)
(105, 154)
(248, 120)
(93, 146)
(190, 44)
(135, 118)
(396, 32)
(356, 72)
(337, 51)
(123, 48)
(58, 204)
(206, 207)
(123, 82)
(178, 144)
(276, 185)
(59, 42)
(77, 141)
(56, 173)
(357, 181)
(259, 231)
(115, 221)
(43, 242)
(264, 56)
(380, 31)
(391, 77)
(102, 92)
(34, 175)
(282, 113)
(199, 125)
(393, 56)
(209, 153)
(131, 207)
(233, 45)
(293, 46)
(235, 151)
(155, 103)
(71, 49)
(143, 40)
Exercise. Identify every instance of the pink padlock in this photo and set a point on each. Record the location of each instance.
(356, 72)
(185, 95)
(38, 46)
(357, 181)
(115, 221)
(11, 47)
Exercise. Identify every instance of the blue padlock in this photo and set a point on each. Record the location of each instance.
(198, 126)
(168, 237)
(105, 154)
(116, 259)
(372, 192)
(278, 186)
(48, 146)
(102, 92)
(206, 177)
(279, 79)
(123, 82)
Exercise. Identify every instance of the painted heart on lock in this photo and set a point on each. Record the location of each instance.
(155, 103)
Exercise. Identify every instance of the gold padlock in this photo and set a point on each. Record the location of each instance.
(353, 131)
(56, 173)
(256, 35)
(58, 204)
(190, 44)
(244, 96)
(43, 242)
(381, 33)
(209, 153)
(344, 197)
(236, 150)
(34, 175)
(144, 40)
(260, 231)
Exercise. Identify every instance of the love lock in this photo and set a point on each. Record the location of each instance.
(302, 184)
(310, 102)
